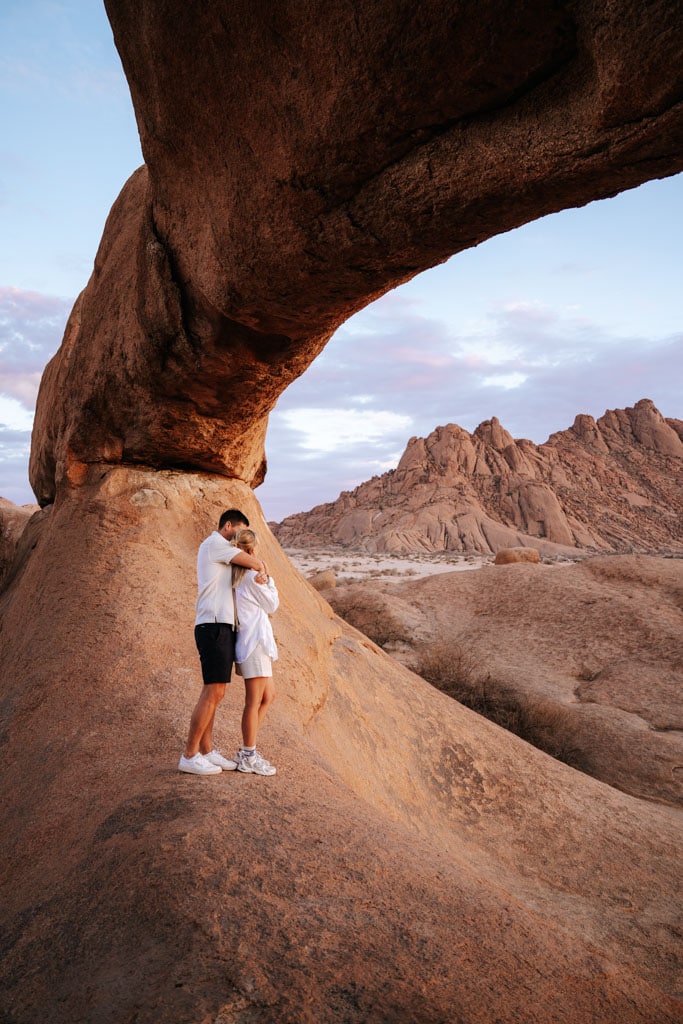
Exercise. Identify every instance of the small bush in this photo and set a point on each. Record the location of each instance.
(549, 727)
(449, 667)
(368, 613)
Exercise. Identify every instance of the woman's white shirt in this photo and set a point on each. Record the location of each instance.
(255, 602)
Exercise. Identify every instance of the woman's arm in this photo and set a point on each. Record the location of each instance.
(264, 594)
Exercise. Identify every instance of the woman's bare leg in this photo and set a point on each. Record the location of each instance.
(251, 716)
(267, 699)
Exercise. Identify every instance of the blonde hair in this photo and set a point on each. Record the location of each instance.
(246, 540)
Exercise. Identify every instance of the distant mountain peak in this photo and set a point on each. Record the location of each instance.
(612, 484)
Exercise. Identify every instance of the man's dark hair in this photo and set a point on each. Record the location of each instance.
(234, 516)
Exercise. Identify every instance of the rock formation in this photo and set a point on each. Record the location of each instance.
(322, 580)
(615, 484)
(300, 160)
(516, 556)
(410, 861)
(588, 655)
(13, 520)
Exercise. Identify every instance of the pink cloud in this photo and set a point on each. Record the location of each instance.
(423, 357)
(31, 329)
(28, 305)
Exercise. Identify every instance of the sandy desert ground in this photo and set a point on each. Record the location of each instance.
(354, 566)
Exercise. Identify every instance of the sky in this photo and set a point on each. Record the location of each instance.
(580, 311)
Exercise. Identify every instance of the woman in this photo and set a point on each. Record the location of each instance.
(255, 651)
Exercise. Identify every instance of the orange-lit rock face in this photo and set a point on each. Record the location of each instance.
(410, 861)
(300, 160)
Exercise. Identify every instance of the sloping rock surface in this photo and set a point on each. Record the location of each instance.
(612, 484)
(410, 861)
(590, 653)
(13, 520)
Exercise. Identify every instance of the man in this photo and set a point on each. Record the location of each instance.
(214, 634)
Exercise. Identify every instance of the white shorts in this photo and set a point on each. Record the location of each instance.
(257, 665)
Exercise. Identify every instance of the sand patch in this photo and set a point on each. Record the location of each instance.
(351, 566)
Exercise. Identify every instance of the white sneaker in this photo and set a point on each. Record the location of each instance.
(198, 765)
(215, 757)
(256, 765)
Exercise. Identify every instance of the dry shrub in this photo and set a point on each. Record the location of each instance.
(369, 613)
(552, 728)
(450, 667)
(548, 726)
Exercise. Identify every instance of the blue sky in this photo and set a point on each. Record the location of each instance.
(577, 312)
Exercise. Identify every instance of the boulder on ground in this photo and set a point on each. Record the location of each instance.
(324, 580)
(509, 556)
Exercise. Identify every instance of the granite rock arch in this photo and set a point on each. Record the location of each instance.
(303, 158)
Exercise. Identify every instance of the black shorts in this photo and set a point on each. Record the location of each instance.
(216, 645)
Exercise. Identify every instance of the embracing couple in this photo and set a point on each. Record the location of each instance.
(235, 597)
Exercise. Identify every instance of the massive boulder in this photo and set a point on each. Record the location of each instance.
(517, 556)
(409, 862)
(611, 485)
(301, 159)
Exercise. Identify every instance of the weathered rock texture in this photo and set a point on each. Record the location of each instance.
(303, 158)
(615, 484)
(589, 655)
(491, 884)
(13, 519)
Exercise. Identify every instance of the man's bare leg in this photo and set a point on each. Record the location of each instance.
(206, 739)
(201, 723)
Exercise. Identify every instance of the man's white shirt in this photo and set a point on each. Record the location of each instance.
(214, 580)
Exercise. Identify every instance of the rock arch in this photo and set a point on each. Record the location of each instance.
(303, 158)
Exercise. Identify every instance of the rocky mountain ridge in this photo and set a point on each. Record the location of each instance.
(615, 484)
